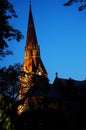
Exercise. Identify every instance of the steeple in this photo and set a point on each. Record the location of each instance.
(32, 59)
(31, 34)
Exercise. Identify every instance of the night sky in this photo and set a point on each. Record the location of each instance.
(61, 34)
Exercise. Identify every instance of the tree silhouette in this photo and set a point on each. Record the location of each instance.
(82, 4)
(9, 87)
(7, 32)
(9, 81)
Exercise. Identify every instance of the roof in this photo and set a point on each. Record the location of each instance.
(31, 33)
(56, 90)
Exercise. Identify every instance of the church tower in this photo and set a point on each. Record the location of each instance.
(33, 67)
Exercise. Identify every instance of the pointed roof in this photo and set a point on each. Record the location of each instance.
(33, 62)
(58, 82)
(56, 79)
(31, 34)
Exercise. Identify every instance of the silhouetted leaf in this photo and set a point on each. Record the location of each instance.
(7, 32)
(82, 3)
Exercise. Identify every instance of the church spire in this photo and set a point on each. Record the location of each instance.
(32, 60)
(31, 34)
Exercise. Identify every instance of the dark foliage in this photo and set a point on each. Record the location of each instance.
(9, 87)
(82, 4)
(9, 81)
(7, 32)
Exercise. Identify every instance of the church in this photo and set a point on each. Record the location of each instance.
(37, 94)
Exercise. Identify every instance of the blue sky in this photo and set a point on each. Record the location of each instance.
(61, 34)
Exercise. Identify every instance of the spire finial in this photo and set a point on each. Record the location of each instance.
(30, 2)
(56, 74)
